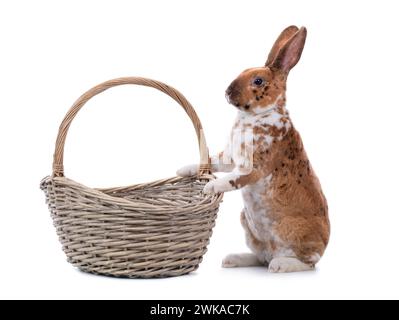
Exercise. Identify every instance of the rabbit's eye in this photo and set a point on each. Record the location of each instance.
(258, 81)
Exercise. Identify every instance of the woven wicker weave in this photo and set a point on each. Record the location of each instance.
(157, 229)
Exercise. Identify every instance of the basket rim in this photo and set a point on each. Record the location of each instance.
(134, 204)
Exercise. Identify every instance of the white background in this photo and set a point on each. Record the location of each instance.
(342, 97)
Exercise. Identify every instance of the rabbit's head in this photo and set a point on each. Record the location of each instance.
(257, 89)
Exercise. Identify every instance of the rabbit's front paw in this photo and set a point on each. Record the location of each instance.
(214, 186)
(188, 171)
(210, 187)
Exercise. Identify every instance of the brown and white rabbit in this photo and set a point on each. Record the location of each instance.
(285, 214)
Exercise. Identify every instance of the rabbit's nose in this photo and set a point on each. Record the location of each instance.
(227, 97)
(230, 93)
(229, 90)
(232, 89)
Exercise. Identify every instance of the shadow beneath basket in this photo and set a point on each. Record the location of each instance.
(102, 276)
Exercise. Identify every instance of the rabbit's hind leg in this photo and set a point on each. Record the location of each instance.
(241, 260)
(246, 259)
(288, 264)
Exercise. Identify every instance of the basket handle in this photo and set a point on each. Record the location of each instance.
(58, 165)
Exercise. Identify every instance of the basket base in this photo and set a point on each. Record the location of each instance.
(162, 275)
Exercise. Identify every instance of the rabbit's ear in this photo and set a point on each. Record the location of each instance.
(281, 40)
(291, 52)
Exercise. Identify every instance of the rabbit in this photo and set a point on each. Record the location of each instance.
(285, 215)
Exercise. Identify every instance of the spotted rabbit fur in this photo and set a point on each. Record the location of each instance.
(285, 215)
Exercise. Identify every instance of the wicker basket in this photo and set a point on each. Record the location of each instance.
(157, 229)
